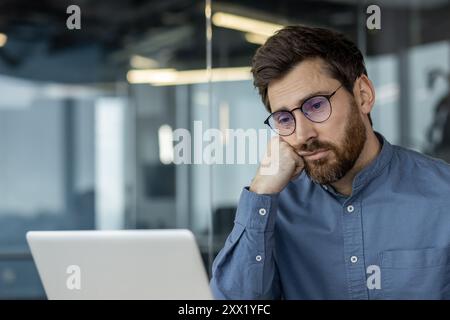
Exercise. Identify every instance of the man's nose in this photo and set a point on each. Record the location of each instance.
(304, 129)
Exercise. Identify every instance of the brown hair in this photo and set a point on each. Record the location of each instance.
(294, 44)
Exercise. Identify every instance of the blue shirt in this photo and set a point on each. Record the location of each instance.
(390, 239)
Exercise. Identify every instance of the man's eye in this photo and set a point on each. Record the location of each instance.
(317, 105)
(283, 119)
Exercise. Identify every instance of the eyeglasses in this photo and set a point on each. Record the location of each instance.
(316, 109)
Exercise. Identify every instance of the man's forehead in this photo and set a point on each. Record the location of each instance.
(306, 77)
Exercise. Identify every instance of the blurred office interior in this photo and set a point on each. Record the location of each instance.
(87, 115)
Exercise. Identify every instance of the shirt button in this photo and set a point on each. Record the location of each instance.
(354, 259)
(258, 258)
(350, 209)
(262, 211)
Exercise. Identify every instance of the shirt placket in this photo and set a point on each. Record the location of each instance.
(354, 249)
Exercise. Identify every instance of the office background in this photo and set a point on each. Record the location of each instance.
(86, 144)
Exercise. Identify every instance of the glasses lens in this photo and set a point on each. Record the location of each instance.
(317, 109)
(282, 122)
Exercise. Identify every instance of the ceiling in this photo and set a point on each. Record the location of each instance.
(170, 32)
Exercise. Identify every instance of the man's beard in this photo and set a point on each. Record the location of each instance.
(330, 169)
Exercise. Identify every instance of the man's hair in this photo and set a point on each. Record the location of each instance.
(294, 44)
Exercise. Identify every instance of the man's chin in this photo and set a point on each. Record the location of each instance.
(322, 172)
(320, 179)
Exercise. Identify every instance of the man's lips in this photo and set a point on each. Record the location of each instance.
(315, 155)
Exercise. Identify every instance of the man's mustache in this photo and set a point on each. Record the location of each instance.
(314, 146)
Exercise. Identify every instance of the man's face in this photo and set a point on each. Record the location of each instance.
(343, 135)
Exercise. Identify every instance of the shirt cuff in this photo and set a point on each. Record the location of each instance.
(257, 211)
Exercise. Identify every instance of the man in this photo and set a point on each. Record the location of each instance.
(347, 215)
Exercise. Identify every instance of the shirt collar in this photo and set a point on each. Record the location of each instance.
(373, 169)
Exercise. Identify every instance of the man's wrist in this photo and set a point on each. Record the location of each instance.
(259, 189)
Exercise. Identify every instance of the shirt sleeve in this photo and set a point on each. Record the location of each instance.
(245, 268)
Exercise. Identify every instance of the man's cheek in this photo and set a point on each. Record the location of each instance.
(292, 142)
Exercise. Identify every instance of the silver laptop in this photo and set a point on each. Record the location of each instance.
(134, 264)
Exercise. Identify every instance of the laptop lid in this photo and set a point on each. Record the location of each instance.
(126, 264)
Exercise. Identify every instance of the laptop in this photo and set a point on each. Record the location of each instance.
(128, 264)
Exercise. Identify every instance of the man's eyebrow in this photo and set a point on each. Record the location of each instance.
(302, 100)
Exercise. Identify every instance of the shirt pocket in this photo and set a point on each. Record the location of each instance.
(416, 274)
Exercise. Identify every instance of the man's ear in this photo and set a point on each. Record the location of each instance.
(364, 93)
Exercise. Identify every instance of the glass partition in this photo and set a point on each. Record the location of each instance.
(88, 107)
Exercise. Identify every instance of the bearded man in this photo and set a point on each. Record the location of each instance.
(347, 215)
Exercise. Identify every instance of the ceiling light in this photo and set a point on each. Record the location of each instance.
(3, 39)
(140, 62)
(231, 21)
(255, 38)
(164, 77)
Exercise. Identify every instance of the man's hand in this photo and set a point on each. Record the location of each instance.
(289, 166)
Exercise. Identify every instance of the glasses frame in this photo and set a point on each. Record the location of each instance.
(327, 96)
